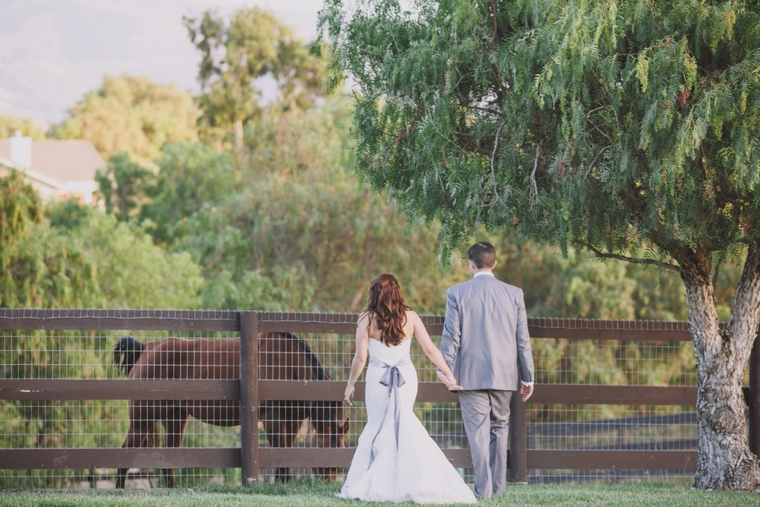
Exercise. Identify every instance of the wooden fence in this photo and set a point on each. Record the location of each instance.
(251, 391)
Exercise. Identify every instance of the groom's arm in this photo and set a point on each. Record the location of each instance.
(524, 352)
(452, 331)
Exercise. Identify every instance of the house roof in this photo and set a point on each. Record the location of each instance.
(62, 160)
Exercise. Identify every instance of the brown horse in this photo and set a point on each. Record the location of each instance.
(282, 356)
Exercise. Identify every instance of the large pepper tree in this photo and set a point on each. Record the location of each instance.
(630, 128)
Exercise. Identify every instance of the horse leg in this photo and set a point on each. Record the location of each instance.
(275, 428)
(136, 436)
(174, 425)
(291, 430)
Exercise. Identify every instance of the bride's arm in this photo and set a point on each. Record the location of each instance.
(432, 351)
(360, 356)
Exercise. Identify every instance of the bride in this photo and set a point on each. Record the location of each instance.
(395, 459)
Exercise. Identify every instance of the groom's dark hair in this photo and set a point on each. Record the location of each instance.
(482, 254)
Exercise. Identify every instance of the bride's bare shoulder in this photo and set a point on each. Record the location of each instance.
(364, 319)
(411, 316)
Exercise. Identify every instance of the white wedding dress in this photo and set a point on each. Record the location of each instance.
(403, 467)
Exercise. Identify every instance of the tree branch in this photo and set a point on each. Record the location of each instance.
(493, 159)
(633, 260)
(651, 10)
(591, 165)
(533, 187)
(495, 26)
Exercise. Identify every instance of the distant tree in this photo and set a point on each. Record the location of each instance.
(579, 285)
(10, 125)
(630, 128)
(75, 256)
(124, 186)
(66, 214)
(237, 57)
(191, 176)
(36, 269)
(131, 271)
(133, 115)
(302, 234)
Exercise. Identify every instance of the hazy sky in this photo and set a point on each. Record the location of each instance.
(54, 51)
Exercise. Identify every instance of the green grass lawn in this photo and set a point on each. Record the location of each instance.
(312, 493)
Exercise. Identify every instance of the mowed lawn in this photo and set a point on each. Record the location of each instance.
(310, 493)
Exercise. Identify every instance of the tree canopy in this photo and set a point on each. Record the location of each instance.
(236, 58)
(124, 186)
(9, 125)
(133, 115)
(75, 256)
(608, 125)
(190, 176)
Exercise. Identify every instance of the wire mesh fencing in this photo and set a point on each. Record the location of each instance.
(61, 355)
(308, 348)
(648, 353)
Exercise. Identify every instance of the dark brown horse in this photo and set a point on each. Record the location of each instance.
(282, 356)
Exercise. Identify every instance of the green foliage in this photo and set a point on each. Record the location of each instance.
(236, 56)
(131, 272)
(81, 258)
(299, 144)
(190, 176)
(578, 285)
(620, 126)
(68, 214)
(301, 234)
(19, 208)
(9, 125)
(132, 115)
(124, 186)
(38, 267)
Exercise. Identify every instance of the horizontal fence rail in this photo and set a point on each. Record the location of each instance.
(251, 390)
(147, 320)
(297, 322)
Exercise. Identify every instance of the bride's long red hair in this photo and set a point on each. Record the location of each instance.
(387, 309)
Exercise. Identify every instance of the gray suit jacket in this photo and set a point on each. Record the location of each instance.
(485, 338)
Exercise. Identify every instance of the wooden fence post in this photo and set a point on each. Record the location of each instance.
(754, 397)
(517, 464)
(249, 397)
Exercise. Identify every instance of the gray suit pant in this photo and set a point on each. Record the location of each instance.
(486, 420)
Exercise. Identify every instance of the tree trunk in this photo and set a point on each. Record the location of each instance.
(725, 460)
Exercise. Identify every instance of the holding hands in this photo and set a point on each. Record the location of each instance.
(450, 381)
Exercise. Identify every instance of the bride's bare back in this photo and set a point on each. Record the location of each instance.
(409, 326)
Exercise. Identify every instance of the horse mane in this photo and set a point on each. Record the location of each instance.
(320, 412)
(126, 353)
(319, 371)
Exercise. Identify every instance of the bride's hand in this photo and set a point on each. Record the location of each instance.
(348, 394)
(450, 381)
(452, 384)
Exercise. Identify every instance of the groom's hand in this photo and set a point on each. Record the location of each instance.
(526, 392)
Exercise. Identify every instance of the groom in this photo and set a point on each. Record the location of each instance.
(486, 344)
